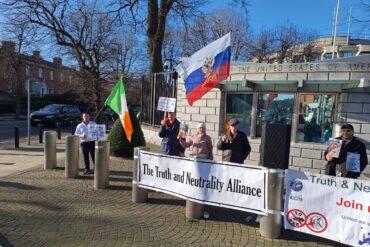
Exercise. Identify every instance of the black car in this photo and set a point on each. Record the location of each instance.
(53, 114)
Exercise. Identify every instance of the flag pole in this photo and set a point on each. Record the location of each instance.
(97, 120)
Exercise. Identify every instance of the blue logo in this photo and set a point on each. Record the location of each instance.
(365, 240)
(296, 185)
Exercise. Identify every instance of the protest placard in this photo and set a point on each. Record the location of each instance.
(96, 131)
(166, 104)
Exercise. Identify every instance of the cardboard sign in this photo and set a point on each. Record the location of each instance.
(166, 104)
(96, 131)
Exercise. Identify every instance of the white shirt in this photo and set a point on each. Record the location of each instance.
(82, 131)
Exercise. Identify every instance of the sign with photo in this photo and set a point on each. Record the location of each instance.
(331, 207)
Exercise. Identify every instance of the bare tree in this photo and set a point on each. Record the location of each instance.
(260, 48)
(23, 36)
(214, 25)
(85, 28)
(286, 37)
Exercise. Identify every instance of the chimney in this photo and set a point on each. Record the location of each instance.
(57, 61)
(36, 54)
(9, 46)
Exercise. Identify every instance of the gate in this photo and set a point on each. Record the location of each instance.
(162, 84)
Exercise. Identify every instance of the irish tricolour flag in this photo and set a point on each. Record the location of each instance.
(117, 102)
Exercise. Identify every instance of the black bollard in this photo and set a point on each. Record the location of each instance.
(58, 128)
(40, 133)
(16, 137)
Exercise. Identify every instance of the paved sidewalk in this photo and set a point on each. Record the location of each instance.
(41, 208)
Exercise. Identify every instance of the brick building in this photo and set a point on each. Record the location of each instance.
(45, 77)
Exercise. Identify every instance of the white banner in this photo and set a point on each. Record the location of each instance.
(209, 182)
(166, 104)
(96, 131)
(331, 207)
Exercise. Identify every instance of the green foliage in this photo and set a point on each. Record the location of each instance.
(119, 145)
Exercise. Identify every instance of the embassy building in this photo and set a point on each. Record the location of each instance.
(314, 98)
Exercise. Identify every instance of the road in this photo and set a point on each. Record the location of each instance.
(7, 130)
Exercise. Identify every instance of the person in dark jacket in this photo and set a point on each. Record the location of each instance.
(169, 130)
(350, 144)
(234, 143)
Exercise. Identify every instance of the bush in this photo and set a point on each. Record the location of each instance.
(119, 145)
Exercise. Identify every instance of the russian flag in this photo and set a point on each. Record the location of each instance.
(206, 68)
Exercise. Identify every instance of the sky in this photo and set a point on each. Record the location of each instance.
(306, 14)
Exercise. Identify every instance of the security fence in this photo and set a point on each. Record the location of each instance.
(162, 84)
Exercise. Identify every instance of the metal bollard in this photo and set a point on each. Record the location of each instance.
(194, 210)
(270, 225)
(16, 137)
(40, 133)
(139, 195)
(72, 159)
(101, 172)
(58, 129)
(50, 150)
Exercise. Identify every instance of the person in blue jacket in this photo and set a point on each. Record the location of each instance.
(169, 131)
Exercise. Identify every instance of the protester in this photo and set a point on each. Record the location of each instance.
(201, 142)
(169, 130)
(87, 143)
(351, 147)
(234, 143)
(312, 131)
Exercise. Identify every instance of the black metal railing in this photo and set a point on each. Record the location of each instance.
(159, 85)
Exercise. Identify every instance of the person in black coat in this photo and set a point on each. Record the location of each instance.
(350, 144)
(169, 130)
(235, 144)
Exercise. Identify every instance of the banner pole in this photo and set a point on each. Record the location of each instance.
(139, 195)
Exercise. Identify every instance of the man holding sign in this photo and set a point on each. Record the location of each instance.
(352, 158)
(87, 142)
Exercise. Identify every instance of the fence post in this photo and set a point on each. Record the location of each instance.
(270, 225)
(50, 150)
(58, 129)
(101, 172)
(194, 210)
(16, 137)
(139, 195)
(72, 156)
(40, 133)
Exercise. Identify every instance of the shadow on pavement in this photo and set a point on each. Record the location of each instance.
(6, 164)
(36, 149)
(45, 205)
(120, 173)
(19, 186)
(302, 237)
(119, 187)
(128, 180)
(166, 201)
(4, 242)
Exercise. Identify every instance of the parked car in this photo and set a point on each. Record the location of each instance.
(109, 114)
(52, 114)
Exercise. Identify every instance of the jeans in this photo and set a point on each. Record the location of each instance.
(88, 147)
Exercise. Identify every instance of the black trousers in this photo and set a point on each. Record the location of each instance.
(88, 147)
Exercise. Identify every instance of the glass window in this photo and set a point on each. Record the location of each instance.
(348, 54)
(41, 73)
(316, 115)
(28, 70)
(61, 77)
(52, 75)
(274, 108)
(239, 106)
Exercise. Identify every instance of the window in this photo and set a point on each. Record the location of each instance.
(28, 70)
(316, 116)
(315, 57)
(348, 54)
(41, 73)
(328, 56)
(52, 75)
(61, 77)
(274, 108)
(50, 91)
(240, 106)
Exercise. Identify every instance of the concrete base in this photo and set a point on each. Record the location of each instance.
(194, 210)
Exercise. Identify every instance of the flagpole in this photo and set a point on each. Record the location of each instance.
(97, 120)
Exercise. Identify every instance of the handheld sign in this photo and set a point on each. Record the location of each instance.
(96, 131)
(166, 104)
